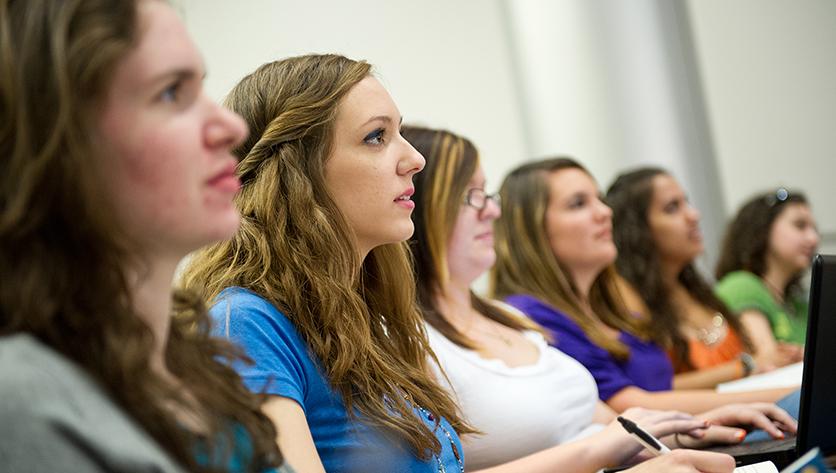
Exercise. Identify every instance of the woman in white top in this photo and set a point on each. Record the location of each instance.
(537, 409)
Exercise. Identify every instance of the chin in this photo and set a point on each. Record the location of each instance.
(225, 228)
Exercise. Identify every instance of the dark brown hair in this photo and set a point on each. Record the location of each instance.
(63, 259)
(294, 248)
(747, 236)
(439, 194)
(639, 262)
(526, 263)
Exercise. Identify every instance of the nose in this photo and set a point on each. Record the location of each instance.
(693, 213)
(604, 210)
(226, 129)
(411, 161)
(491, 211)
(814, 236)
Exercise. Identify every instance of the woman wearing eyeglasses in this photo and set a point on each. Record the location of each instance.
(767, 248)
(536, 408)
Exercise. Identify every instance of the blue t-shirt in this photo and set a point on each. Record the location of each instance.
(284, 366)
(241, 457)
(647, 367)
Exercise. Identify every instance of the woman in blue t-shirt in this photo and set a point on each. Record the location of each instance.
(317, 284)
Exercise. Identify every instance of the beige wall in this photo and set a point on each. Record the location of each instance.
(769, 73)
(446, 63)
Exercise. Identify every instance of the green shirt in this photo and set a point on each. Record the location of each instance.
(742, 290)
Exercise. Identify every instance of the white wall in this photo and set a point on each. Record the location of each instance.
(446, 63)
(756, 109)
(769, 71)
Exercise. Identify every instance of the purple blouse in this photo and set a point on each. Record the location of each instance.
(648, 367)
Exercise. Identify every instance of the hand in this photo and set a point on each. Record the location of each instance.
(619, 447)
(725, 421)
(788, 353)
(687, 461)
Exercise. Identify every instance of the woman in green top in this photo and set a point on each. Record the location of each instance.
(766, 250)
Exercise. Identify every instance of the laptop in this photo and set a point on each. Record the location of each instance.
(817, 408)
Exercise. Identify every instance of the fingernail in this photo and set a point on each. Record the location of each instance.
(741, 434)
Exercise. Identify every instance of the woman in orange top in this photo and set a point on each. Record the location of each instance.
(658, 237)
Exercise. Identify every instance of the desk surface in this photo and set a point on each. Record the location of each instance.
(785, 377)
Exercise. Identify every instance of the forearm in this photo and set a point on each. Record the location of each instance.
(586, 455)
(708, 378)
(692, 401)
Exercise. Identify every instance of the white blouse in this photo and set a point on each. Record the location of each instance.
(520, 410)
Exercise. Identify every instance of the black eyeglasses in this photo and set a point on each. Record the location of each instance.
(478, 198)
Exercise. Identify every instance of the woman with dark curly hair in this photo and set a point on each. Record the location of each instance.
(766, 250)
(656, 231)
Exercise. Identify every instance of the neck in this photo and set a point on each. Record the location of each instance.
(776, 279)
(584, 279)
(455, 304)
(151, 288)
(670, 273)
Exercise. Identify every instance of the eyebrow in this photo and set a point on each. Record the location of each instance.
(182, 74)
(381, 118)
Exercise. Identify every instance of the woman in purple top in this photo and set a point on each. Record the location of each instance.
(555, 258)
(648, 367)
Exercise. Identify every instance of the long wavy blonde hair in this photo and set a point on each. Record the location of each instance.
(526, 264)
(295, 249)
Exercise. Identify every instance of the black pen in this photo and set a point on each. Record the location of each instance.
(648, 441)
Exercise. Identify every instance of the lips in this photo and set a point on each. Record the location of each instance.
(606, 233)
(405, 195)
(225, 180)
(484, 236)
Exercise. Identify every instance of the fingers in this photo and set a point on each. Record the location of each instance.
(705, 462)
(718, 434)
(772, 419)
(687, 461)
(664, 423)
(761, 415)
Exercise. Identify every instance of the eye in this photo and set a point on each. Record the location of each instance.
(171, 92)
(376, 138)
(577, 201)
(671, 207)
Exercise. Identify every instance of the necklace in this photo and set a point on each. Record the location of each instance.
(717, 331)
(441, 469)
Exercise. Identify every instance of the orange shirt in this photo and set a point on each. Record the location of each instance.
(704, 356)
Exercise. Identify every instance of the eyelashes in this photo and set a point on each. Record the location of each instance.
(376, 137)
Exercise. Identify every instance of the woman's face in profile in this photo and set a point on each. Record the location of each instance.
(369, 172)
(674, 222)
(470, 248)
(165, 146)
(578, 222)
(793, 238)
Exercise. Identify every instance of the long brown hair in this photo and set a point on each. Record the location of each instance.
(294, 248)
(639, 262)
(526, 264)
(746, 241)
(439, 193)
(57, 58)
